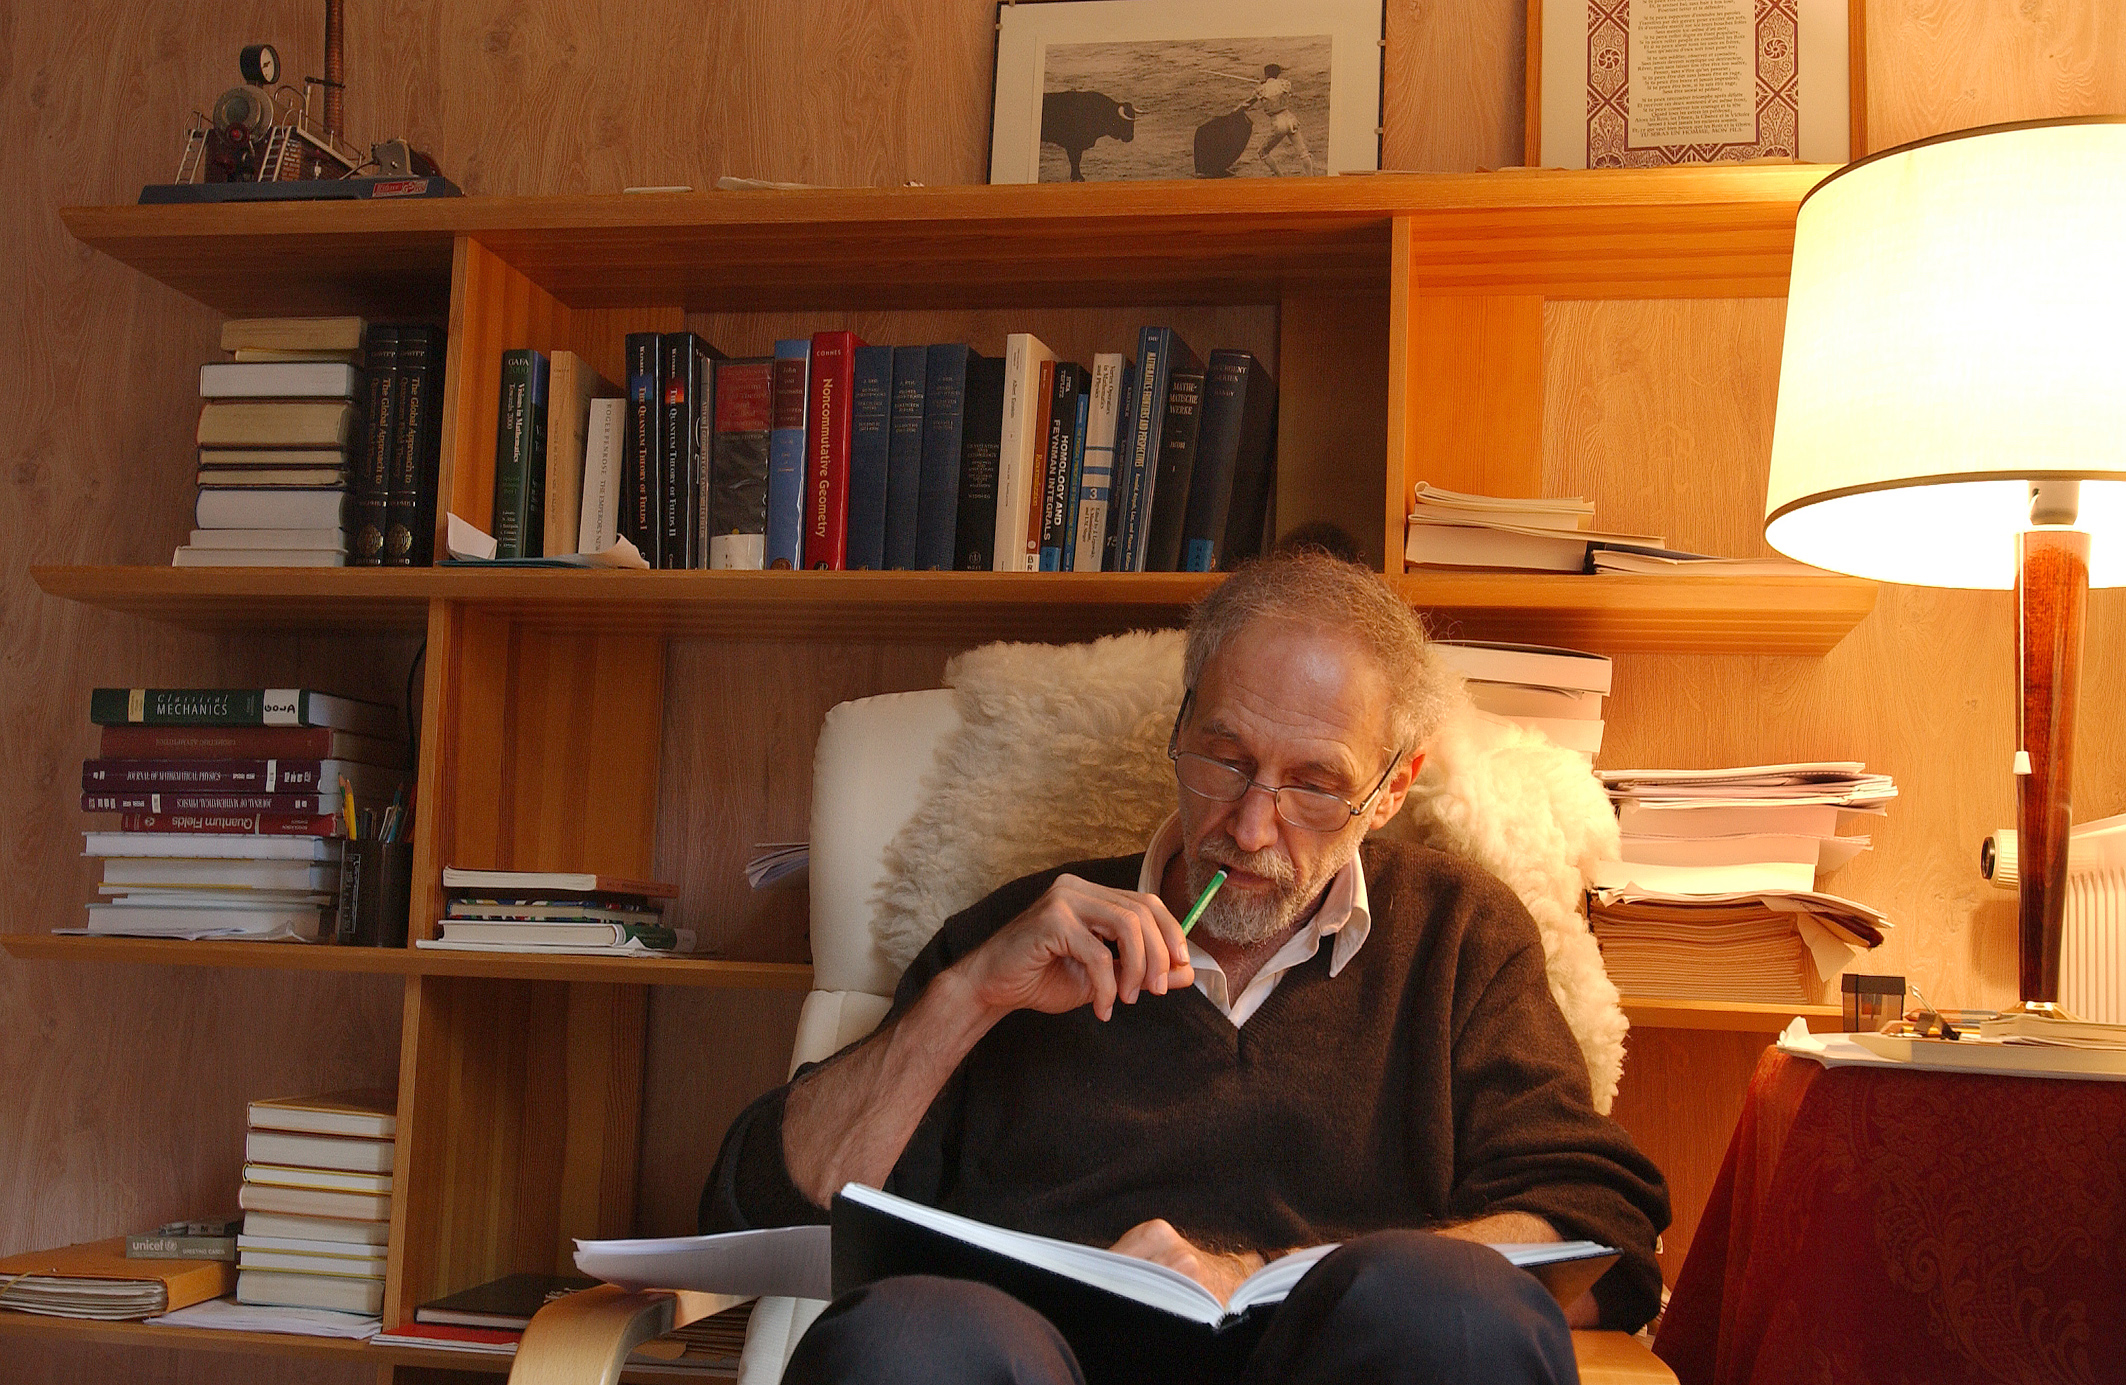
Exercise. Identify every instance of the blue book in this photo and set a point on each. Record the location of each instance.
(904, 454)
(791, 384)
(1074, 492)
(1160, 352)
(870, 439)
(937, 506)
(1235, 454)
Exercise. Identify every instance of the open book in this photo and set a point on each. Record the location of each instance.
(1111, 1308)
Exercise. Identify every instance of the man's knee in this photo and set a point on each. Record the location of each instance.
(1400, 1305)
(920, 1328)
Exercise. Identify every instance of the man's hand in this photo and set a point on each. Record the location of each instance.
(1080, 944)
(1157, 1241)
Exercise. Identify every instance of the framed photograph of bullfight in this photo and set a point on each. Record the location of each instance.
(1104, 90)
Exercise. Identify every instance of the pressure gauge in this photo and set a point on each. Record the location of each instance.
(260, 64)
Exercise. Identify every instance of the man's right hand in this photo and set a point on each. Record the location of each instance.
(1079, 944)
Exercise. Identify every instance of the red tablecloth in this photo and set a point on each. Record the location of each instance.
(1875, 1227)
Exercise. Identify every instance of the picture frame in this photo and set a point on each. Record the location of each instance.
(1731, 80)
(1107, 90)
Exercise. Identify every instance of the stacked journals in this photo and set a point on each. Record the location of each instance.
(1451, 529)
(230, 804)
(835, 454)
(556, 912)
(317, 1201)
(1556, 693)
(1716, 894)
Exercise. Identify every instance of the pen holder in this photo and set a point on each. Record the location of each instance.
(376, 880)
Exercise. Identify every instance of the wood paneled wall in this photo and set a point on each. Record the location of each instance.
(124, 1103)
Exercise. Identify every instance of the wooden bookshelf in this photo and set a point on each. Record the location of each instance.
(410, 961)
(1608, 613)
(1405, 315)
(1739, 1016)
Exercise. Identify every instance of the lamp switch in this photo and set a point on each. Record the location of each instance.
(2022, 762)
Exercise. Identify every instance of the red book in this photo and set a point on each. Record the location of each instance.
(829, 412)
(236, 824)
(1029, 557)
(248, 743)
(322, 803)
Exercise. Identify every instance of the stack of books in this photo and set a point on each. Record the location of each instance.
(1718, 892)
(230, 804)
(835, 454)
(556, 912)
(1452, 529)
(317, 1201)
(1556, 693)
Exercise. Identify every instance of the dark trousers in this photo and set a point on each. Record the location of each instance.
(1393, 1308)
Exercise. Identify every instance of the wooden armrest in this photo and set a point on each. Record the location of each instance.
(1618, 1358)
(585, 1338)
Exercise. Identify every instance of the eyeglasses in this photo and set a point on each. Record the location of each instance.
(1312, 810)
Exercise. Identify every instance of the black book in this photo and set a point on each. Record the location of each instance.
(1229, 493)
(684, 385)
(417, 448)
(506, 1304)
(937, 505)
(738, 470)
(904, 454)
(1176, 468)
(981, 442)
(1125, 1318)
(639, 446)
(372, 477)
(1059, 492)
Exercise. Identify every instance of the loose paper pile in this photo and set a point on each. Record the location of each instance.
(1548, 534)
(1554, 692)
(1716, 895)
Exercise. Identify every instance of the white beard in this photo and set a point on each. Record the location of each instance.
(1242, 920)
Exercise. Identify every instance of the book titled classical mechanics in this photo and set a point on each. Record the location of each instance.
(1113, 1309)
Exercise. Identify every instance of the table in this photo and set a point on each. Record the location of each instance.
(1875, 1227)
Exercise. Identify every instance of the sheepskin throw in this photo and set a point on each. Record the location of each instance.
(1061, 755)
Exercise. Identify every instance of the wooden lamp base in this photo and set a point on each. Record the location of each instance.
(2052, 597)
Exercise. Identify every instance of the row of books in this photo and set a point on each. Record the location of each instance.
(835, 454)
(1718, 893)
(232, 807)
(319, 445)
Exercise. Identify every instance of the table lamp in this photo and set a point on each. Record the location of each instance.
(1952, 413)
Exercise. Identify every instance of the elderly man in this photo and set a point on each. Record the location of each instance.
(1356, 1044)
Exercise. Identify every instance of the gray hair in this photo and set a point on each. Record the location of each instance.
(1312, 589)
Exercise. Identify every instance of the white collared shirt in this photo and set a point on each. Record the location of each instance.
(1345, 914)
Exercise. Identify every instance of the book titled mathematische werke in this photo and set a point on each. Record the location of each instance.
(1116, 1311)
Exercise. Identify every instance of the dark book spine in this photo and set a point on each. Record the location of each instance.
(827, 418)
(1132, 436)
(1229, 489)
(703, 422)
(638, 465)
(676, 439)
(235, 824)
(786, 455)
(177, 706)
(981, 440)
(372, 476)
(1161, 352)
(1176, 467)
(211, 801)
(937, 503)
(417, 443)
(217, 743)
(904, 455)
(227, 776)
(1055, 453)
(746, 400)
(513, 521)
(870, 413)
(1075, 490)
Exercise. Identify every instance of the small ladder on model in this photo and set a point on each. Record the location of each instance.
(278, 147)
(195, 150)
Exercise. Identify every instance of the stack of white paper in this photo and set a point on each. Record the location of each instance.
(1546, 534)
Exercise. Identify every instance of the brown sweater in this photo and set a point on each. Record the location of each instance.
(1432, 1081)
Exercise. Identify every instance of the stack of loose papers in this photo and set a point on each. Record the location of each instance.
(1716, 895)
(773, 861)
(1662, 562)
(1548, 534)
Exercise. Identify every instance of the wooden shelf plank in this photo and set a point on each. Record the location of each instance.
(1608, 613)
(399, 961)
(1620, 232)
(282, 1344)
(1732, 1015)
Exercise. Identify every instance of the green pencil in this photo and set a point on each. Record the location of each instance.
(1202, 902)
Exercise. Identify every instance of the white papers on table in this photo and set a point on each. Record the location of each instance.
(227, 1315)
(780, 1262)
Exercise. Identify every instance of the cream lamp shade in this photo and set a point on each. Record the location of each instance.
(1955, 331)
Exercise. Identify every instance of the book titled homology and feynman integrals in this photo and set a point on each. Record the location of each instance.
(1117, 1312)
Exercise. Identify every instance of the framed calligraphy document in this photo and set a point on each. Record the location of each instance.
(1644, 83)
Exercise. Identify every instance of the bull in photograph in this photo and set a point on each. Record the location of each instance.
(1074, 121)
